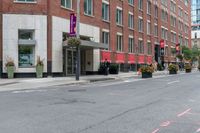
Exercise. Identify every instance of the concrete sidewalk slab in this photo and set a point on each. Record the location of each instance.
(33, 83)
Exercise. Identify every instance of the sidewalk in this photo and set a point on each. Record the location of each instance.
(32, 83)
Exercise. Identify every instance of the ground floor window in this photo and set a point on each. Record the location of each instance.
(26, 56)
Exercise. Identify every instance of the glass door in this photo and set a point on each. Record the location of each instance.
(71, 62)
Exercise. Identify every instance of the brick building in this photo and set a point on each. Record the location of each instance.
(125, 32)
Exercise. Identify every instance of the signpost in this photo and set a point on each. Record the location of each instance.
(78, 36)
(75, 31)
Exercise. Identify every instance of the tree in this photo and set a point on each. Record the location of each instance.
(191, 54)
(187, 53)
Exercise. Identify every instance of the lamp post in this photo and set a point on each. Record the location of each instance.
(78, 36)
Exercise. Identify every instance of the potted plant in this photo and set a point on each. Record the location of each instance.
(147, 71)
(39, 67)
(73, 41)
(173, 68)
(113, 69)
(188, 68)
(10, 67)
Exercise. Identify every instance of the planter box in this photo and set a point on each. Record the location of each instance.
(113, 72)
(172, 72)
(39, 71)
(188, 70)
(10, 71)
(146, 75)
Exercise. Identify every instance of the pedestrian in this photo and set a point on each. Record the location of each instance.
(106, 67)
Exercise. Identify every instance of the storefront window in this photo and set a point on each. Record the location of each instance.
(26, 56)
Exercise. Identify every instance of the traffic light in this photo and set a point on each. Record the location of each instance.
(178, 48)
(162, 47)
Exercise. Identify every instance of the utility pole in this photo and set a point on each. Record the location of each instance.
(78, 36)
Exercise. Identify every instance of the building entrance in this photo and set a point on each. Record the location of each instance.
(70, 62)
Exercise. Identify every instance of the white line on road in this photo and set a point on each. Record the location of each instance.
(177, 81)
(183, 113)
(198, 130)
(156, 130)
(28, 91)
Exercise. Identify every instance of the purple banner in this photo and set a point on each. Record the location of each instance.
(72, 24)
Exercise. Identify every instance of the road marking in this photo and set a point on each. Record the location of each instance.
(28, 91)
(165, 124)
(183, 113)
(155, 131)
(177, 81)
(198, 130)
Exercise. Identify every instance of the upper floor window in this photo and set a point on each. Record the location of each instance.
(105, 11)
(140, 47)
(88, 7)
(164, 2)
(140, 25)
(156, 11)
(149, 48)
(105, 37)
(148, 27)
(66, 3)
(26, 34)
(130, 45)
(131, 2)
(130, 21)
(148, 7)
(119, 16)
(119, 43)
(140, 6)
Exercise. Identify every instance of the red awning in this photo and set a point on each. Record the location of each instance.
(131, 58)
(149, 60)
(105, 55)
(120, 57)
(141, 59)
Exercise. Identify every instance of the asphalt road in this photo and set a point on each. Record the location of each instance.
(160, 105)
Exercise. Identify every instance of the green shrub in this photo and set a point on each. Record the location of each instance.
(113, 69)
(147, 69)
(173, 67)
(188, 66)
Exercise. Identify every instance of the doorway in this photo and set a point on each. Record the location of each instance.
(70, 62)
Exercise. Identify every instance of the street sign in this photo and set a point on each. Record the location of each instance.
(162, 43)
(72, 24)
(162, 47)
(178, 48)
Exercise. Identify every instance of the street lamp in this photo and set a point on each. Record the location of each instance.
(78, 36)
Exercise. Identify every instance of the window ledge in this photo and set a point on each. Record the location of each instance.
(132, 5)
(107, 21)
(140, 10)
(120, 25)
(70, 9)
(119, 52)
(88, 15)
(25, 2)
(131, 29)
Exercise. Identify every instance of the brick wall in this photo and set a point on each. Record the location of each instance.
(53, 8)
